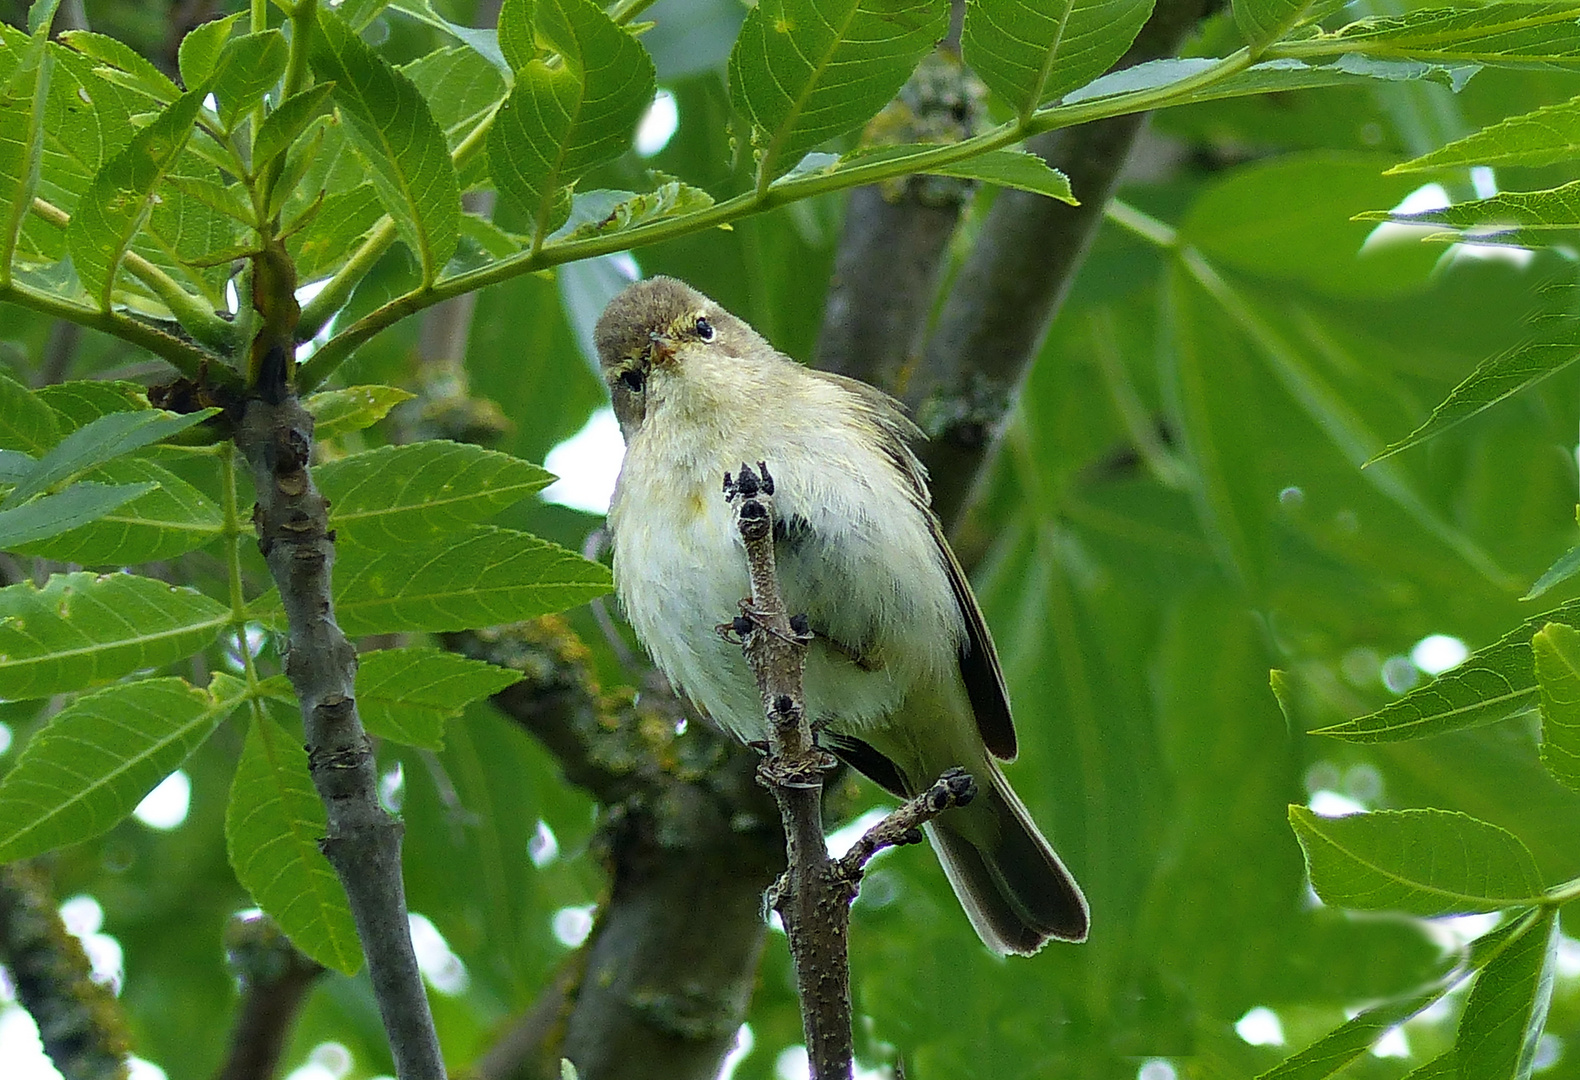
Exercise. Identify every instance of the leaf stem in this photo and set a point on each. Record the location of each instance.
(302, 17)
(1559, 895)
(334, 295)
(782, 191)
(321, 308)
(184, 356)
(1143, 225)
(232, 532)
(626, 10)
(195, 317)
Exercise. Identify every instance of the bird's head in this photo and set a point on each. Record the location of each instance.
(654, 332)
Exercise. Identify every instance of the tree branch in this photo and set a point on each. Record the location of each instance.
(904, 825)
(686, 829)
(187, 358)
(814, 895)
(275, 435)
(810, 898)
(1004, 300)
(896, 234)
(79, 1021)
(363, 842)
(275, 981)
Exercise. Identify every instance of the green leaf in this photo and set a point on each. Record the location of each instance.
(273, 824)
(408, 694)
(1562, 569)
(1493, 682)
(248, 67)
(1507, 34)
(87, 122)
(337, 412)
(26, 422)
(1012, 169)
(1513, 217)
(40, 14)
(100, 441)
(601, 211)
(23, 104)
(1344, 1044)
(1289, 218)
(81, 629)
(1265, 21)
(1207, 377)
(1005, 168)
(92, 764)
(398, 495)
(1552, 345)
(14, 465)
(804, 71)
(70, 509)
(389, 120)
(117, 204)
(1423, 862)
(461, 87)
(282, 126)
(1443, 1067)
(1337, 418)
(1507, 1008)
(171, 519)
(485, 42)
(1547, 136)
(1557, 651)
(478, 578)
(499, 244)
(1270, 76)
(563, 119)
(343, 219)
(81, 401)
(1030, 52)
(359, 13)
(136, 71)
(198, 55)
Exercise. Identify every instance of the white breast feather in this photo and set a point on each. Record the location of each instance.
(878, 583)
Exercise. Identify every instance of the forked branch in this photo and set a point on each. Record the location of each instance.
(813, 897)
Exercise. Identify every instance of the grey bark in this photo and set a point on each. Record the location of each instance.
(363, 842)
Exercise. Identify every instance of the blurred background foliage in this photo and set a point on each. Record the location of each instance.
(1137, 614)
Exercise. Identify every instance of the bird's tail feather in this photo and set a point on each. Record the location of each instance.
(1013, 886)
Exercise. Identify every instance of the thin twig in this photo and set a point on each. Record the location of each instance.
(363, 842)
(775, 650)
(904, 825)
(813, 897)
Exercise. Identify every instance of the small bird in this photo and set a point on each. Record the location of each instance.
(901, 675)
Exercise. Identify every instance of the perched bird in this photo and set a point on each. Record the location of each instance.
(901, 671)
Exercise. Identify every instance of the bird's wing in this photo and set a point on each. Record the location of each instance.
(979, 664)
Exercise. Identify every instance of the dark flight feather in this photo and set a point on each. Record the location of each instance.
(979, 664)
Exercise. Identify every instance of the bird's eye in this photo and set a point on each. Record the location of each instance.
(704, 329)
(633, 380)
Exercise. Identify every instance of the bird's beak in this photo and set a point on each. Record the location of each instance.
(663, 347)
